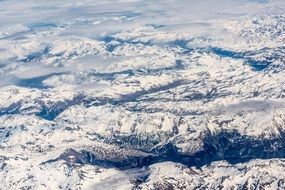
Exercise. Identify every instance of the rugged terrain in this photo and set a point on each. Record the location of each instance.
(136, 95)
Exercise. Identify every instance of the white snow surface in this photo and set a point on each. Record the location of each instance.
(88, 85)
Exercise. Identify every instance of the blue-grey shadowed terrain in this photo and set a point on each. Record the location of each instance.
(36, 82)
(230, 146)
(255, 64)
(133, 94)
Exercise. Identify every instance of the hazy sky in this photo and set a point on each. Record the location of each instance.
(24, 25)
(17, 11)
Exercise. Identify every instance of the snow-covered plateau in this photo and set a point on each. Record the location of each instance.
(142, 95)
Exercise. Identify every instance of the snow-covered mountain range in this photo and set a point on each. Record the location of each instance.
(137, 94)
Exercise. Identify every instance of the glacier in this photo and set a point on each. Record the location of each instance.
(133, 94)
